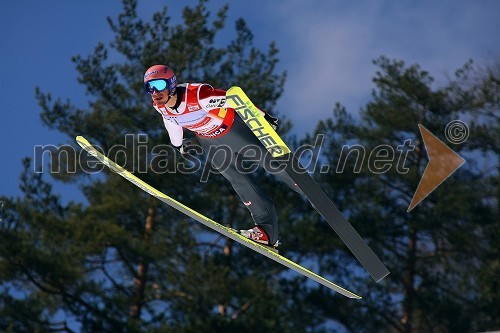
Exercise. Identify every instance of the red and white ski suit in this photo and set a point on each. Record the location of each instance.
(204, 110)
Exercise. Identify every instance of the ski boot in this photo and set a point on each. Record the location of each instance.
(258, 235)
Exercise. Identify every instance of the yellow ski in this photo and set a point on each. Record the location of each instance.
(323, 204)
(228, 232)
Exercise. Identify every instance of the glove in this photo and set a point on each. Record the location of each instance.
(184, 147)
(271, 120)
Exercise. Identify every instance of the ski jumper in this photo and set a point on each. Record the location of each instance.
(223, 135)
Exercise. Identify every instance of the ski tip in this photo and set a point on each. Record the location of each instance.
(236, 90)
(80, 138)
(84, 143)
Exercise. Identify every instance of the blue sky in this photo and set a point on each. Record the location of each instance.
(325, 45)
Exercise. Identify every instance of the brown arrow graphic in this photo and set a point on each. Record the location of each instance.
(443, 162)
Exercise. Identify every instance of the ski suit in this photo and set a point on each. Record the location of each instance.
(204, 110)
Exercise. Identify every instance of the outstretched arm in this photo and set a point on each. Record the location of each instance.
(175, 132)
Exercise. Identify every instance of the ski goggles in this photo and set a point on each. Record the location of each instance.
(158, 85)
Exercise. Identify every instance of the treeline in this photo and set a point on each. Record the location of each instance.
(123, 262)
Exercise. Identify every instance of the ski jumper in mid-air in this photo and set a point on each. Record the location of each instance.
(202, 109)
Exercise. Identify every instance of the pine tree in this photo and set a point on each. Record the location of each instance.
(441, 254)
(122, 262)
